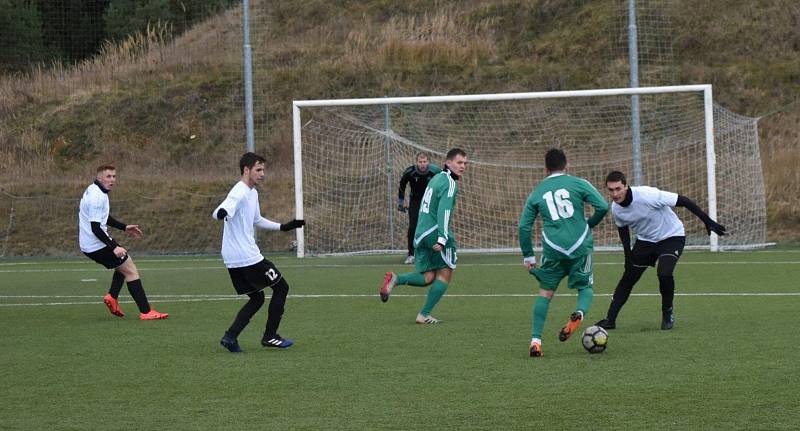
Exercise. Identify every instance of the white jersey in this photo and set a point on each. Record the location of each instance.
(94, 208)
(239, 247)
(649, 214)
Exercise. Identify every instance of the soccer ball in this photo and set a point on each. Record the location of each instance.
(594, 339)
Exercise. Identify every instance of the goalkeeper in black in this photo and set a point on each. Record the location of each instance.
(417, 177)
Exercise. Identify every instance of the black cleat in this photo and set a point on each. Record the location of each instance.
(667, 319)
(231, 344)
(607, 324)
(277, 341)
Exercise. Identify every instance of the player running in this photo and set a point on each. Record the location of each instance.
(250, 272)
(434, 240)
(94, 217)
(660, 238)
(567, 243)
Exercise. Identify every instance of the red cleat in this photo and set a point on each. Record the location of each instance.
(386, 288)
(153, 315)
(113, 305)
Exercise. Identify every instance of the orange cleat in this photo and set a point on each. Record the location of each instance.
(386, 288)
(573, 323)
(536, 349)
(113, 305)
(153, 315)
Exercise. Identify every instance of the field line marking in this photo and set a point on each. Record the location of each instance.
(367, 265)
(200, 298)
(279, 258)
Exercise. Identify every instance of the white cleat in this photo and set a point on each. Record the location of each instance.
(409, 260)
(427, 320)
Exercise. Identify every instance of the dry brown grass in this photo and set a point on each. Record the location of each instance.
(780, 158)
(149, 52)
(443, 47)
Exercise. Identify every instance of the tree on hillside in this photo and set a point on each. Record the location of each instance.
(125, 17)
(21, 42)
(73, 29)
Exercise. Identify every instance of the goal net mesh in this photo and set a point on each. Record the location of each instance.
(353, 157)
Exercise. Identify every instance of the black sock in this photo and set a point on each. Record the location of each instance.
(666, 285)
(276, 305)
(137, 292)
(116, 284)
(247, 311)
(623, 291)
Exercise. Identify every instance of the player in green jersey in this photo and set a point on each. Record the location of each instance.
(566, 242)
(434, 240)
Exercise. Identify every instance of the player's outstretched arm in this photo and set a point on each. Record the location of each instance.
(294, 224)
(133, 230)
(711, 225)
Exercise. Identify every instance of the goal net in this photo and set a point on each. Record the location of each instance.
(350, 154)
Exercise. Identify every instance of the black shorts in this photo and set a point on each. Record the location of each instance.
(253, 278)
(646, 253)
(106, 257)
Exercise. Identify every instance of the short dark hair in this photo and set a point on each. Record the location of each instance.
(555, 160)
(615, 176)
(249, 160)
(421, 154)
(102, 168)
(455, 152)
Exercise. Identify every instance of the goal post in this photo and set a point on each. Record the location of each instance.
(345, 150)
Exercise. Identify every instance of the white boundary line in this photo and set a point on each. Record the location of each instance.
(283, 258)
(373, 265)
(201, 298)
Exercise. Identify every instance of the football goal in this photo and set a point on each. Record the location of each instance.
(349, 155)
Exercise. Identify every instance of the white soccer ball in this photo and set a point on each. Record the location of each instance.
(594, 339)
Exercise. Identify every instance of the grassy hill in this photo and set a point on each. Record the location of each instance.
(169, 109)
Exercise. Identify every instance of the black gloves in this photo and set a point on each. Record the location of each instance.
(400, 206)
(294, 224)
(712, 226)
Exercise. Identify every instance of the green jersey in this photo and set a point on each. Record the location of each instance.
(436, 211)
(566, 234)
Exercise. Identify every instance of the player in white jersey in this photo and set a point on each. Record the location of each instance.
(660, 239)
(94, 217)
(250, 272)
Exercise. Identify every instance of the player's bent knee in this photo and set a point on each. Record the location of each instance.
(129, 270)
(281, 288)
(666, 267)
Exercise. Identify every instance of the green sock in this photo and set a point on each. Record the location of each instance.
(585, 300)
(412, 279)
(435, 293)
(539, 315)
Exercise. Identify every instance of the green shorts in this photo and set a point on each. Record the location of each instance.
(426, 260)
(579, 271)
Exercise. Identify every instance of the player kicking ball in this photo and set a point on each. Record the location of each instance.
(250, 272)
(567, 243)
(434, 240)
(660, 239)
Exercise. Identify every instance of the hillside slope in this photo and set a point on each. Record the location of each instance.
(171, 109)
